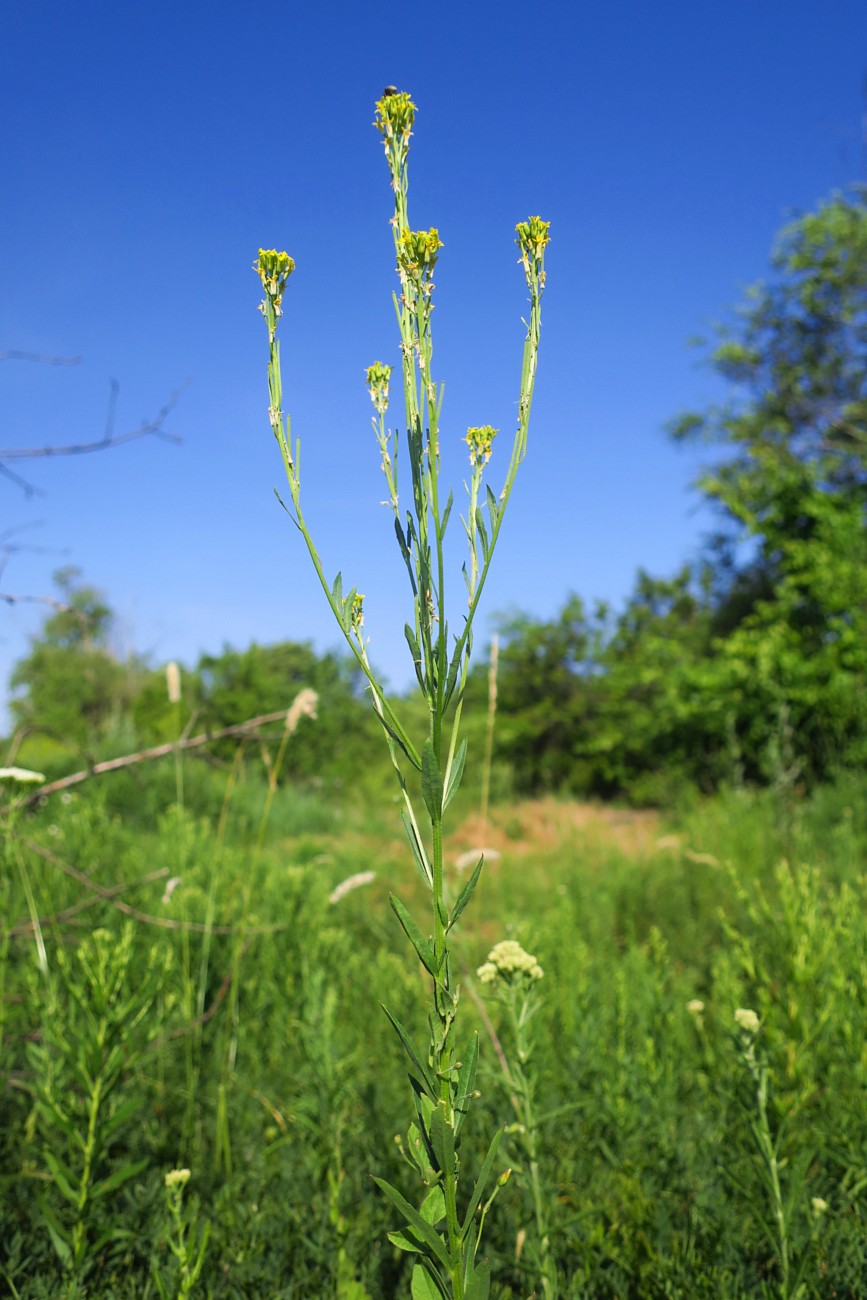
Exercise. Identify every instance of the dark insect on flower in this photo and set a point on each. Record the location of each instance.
(389, 90)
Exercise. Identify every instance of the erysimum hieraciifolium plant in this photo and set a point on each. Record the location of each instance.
(444, 1233)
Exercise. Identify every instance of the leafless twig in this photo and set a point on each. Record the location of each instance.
(247, 728)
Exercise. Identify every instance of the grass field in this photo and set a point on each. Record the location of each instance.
(175, 998)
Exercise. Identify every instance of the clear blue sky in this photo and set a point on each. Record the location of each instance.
(150, 149)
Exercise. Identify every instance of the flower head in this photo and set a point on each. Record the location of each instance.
(695, 1007)
(747, 1020)
(417, 253)
(177, 1177)
(508, 962)
(819, 1205)
(480, 441)
(274, 269)
(395, 114)
(378, 376)
(173, 682)
(533, 237)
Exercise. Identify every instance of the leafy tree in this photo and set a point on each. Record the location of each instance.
(791, 482)
(70, 684)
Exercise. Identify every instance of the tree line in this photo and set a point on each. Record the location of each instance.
(747, 666)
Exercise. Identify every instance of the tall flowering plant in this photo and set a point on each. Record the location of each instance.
(444, 1233)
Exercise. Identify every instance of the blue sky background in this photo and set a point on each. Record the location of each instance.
(150, 149)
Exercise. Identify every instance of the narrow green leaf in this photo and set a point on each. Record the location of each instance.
(493, 509)
(417, 849)
(403, 1242)
(420, 1070)
(446, 513)
(479, 1283)
(426, 1287)
(442, 1140)
(466, 893)
(481, 1181)
(423, 946)
(483, 532)
(124, 1112)
(119, 1177)
(59, 1236)
(62, 1177)
(431, 781)
(466, 1082)
(427, 1234)
(337, 590)
(456, 771)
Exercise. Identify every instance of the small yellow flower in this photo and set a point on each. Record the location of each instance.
(480, 441)
(695, 1007)
(819, 1205)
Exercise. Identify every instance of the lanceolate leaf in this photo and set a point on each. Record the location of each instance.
(425, 1232)
(431, 781)
(467, 892)
(455, 773)
(119, 1177)
(478, 1190)
(442, 1140)
(417, 849)
(466, 1082)
(419, 1071)
(422, 945)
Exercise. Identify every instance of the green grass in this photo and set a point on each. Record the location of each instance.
(270, 1072)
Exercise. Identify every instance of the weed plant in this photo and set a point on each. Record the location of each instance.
(444, 1232)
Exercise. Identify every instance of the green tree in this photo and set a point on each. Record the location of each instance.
(790, 479)
(70, 684)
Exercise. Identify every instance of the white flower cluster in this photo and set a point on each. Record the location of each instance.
(747, 1020)
(508, 959)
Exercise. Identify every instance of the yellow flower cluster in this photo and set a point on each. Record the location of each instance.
(533, 236)
(480, 441)
(274, 270)
(418, 251)
(507, 960)
(378, 376)
(395, 115)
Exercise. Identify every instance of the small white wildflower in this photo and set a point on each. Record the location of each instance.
(747, 1020)
(506, 959)
(53, 830)
(695, 1007)
(345, 887)
(819, 1205)
(66, 797)
(22, 775)
(177, 1177)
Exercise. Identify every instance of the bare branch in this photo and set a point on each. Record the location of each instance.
(248, 728)
(40, 357)
(149, 428)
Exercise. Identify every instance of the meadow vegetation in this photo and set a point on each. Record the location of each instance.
(664, 960)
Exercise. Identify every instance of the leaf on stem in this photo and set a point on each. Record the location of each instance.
(479, 1283)
(493, 508)
(417, 849)
(420, 1226)
(456, 771)
(423, 946)
(427, 1287)
(466, 893)
(442, 1138)
(466, 1082)
(481, 1181)
(419, 1070)
(431, 782)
